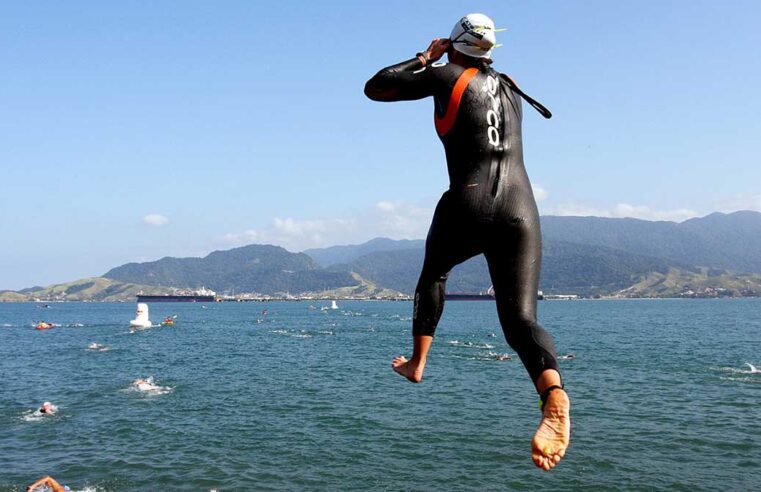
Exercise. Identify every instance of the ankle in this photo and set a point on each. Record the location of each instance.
(557, 397)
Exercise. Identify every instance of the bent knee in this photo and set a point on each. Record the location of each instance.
(520, 330)
(518, 322)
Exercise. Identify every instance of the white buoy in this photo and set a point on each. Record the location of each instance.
(334, 305)
(141, 317)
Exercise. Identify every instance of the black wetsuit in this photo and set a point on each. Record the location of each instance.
(489, 207)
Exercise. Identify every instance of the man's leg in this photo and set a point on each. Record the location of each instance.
(449, 243)
(514, 260)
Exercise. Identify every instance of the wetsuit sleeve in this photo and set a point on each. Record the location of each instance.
(405, 81)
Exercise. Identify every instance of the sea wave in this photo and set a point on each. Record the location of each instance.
(751, 369)
(469, 344)
(745, 379)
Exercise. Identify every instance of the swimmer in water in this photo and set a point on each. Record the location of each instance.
(145, 384)
(48, 408)
(49, 482)
(489, 209)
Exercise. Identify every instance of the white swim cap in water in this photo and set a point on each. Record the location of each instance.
(474, 35)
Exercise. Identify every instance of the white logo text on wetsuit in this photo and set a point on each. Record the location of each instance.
(492, 115)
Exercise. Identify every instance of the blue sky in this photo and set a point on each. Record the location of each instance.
(136, 130)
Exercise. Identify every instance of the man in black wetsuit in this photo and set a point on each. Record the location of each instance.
(489, 209)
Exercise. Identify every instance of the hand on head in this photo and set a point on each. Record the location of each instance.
(437, 48)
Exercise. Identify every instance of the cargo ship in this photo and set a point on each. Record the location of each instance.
(468, 296)
(201, 295)
(478, 296)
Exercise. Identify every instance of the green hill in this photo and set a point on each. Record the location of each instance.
(264, 269)
(701, 282)
(87, 289)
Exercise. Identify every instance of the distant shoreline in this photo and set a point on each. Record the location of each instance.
(404, 299)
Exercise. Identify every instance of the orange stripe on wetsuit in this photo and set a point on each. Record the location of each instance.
(443, 125)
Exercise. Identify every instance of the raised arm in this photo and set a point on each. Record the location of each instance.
(46, 480)
(407, 81)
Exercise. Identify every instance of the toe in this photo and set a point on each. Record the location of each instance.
(537, 459)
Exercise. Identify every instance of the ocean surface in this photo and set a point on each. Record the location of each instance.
(665, 397)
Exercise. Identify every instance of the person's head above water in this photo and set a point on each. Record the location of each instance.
(474, 37)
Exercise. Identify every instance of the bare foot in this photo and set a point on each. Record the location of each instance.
(554, 432)
(409, 369)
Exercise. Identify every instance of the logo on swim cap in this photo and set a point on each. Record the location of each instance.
(474, 35)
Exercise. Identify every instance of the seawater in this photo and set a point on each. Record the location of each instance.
(302, 398)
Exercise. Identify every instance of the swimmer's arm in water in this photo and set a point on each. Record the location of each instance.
(407, 81)
(48, 481)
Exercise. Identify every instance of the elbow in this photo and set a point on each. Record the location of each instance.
(372, 91)
(381, 87)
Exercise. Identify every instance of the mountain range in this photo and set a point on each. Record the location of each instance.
(589, 256)
(254, 268)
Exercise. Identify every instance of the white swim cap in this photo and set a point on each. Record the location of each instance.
(473, 35)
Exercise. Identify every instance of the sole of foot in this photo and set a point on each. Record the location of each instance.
(554, 433)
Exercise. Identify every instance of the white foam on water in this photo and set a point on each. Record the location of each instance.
(33, 416)
(7, 325)
(745, 379)
(751, 369)
(148, 387)
(37, 416)
(96, 347)
(458, 343)
(494, 356)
